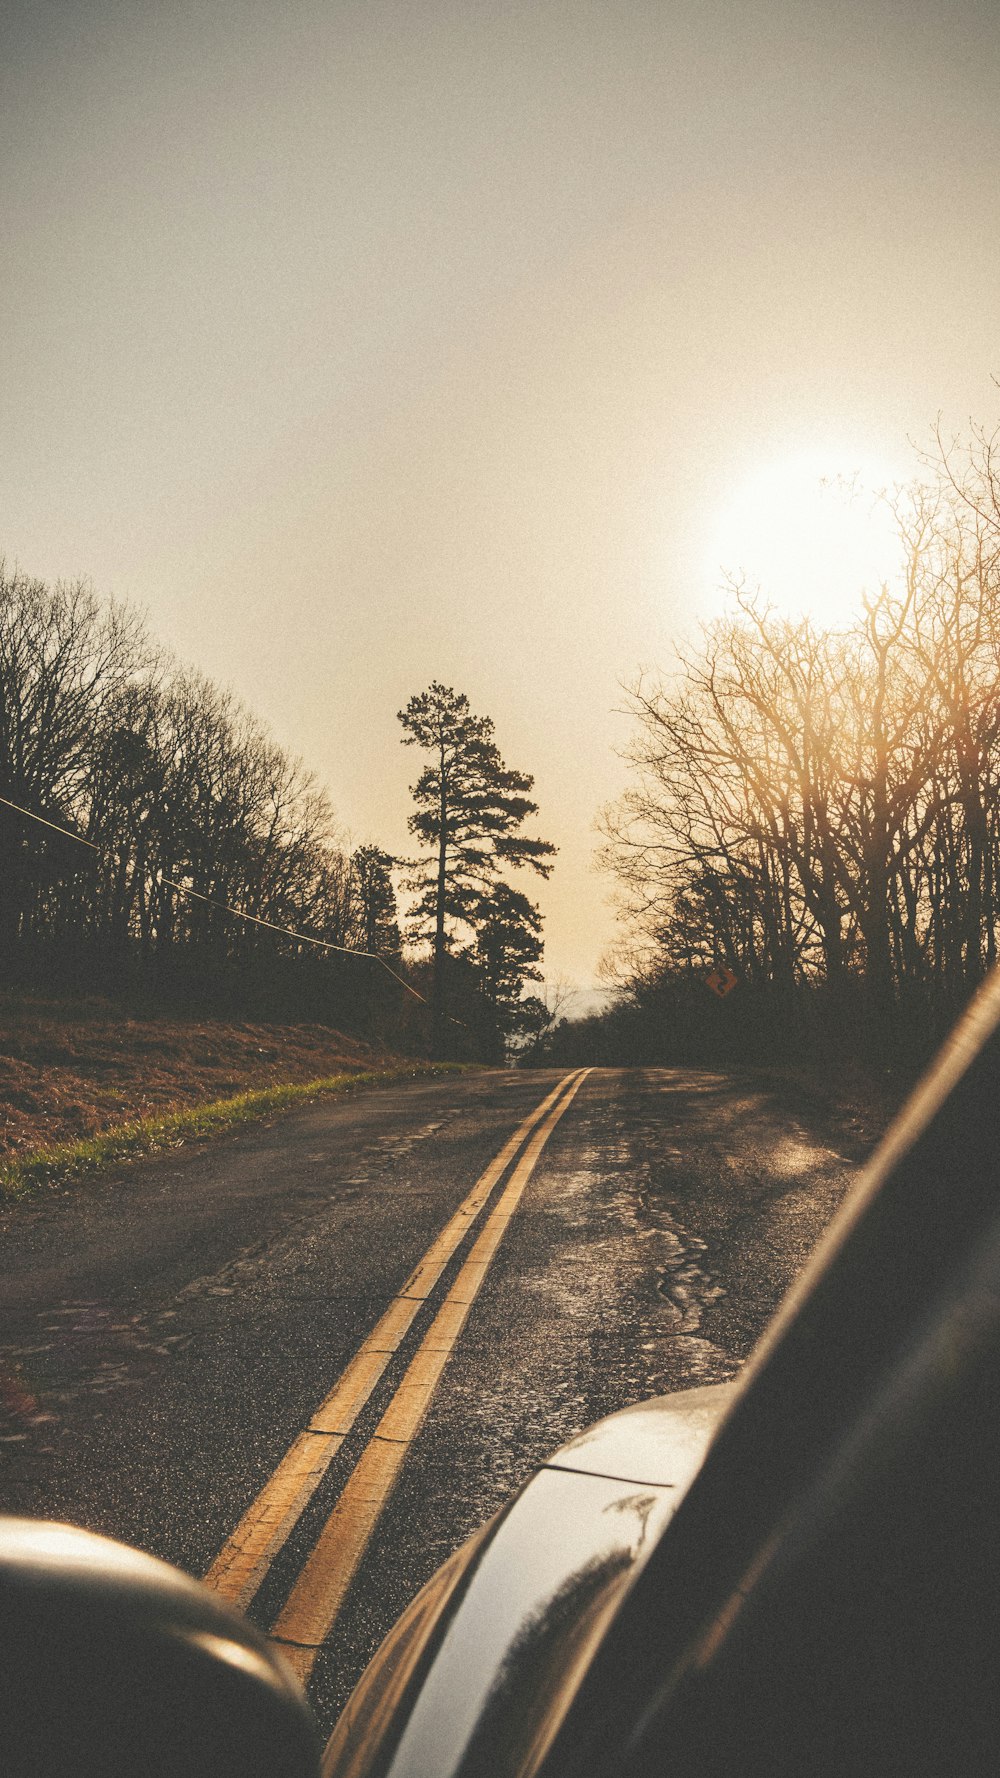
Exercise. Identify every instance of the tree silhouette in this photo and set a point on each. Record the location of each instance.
(376, 914)
(508, 948)
(469, 807)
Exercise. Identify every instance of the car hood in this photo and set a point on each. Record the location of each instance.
(661, 1441)
(476, 1676)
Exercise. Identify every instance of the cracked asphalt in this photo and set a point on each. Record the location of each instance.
(165, 1332)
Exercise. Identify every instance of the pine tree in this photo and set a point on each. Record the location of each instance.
(375, 902)
(508, 948)
(469, 807)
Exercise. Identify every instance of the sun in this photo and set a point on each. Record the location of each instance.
(813, 531)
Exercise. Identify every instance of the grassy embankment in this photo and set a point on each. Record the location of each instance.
(84, 1086)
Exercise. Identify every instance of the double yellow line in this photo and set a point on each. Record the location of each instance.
(314, 1603)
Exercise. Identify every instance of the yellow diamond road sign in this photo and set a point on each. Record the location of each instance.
(722, 981)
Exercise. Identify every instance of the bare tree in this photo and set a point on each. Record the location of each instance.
(823, 809)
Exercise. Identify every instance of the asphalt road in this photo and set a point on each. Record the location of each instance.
(167, 1334)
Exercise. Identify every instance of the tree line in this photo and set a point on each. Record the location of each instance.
(818, 810)
(199, 828)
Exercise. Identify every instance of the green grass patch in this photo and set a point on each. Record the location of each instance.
(172, 1129)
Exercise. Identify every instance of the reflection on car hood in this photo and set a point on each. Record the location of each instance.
(476, 1676)
(659, 1442)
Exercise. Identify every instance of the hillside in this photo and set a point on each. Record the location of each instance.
(72, 1069)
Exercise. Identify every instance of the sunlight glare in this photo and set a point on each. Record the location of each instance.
(813, 533)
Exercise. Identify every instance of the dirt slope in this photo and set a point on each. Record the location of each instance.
(71, 1069)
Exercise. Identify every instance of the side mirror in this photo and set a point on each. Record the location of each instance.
(116, 1664)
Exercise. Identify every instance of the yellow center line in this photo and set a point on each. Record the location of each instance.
(315, 1601)
(246, 1556)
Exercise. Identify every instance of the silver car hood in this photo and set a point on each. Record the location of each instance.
(660, 1442)
(475, 1677)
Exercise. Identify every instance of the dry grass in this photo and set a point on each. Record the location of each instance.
(150, 1135)
(83, 1084)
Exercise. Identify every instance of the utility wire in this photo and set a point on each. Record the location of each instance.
(65, 831)
(286, 931)
(289, 932)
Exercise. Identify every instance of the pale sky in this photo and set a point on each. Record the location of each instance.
(369, 344)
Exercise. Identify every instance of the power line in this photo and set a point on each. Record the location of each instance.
(65, 831)
(195, 894)
(322, 944)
